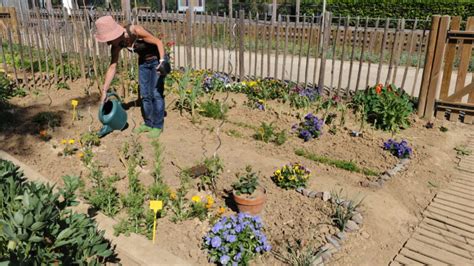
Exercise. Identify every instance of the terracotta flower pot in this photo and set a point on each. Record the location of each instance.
(252, 204)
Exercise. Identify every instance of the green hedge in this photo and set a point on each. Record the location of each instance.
(388, 8)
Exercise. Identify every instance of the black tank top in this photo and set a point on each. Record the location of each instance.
(146, 51)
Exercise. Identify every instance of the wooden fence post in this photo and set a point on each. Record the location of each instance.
(241, 44)
(425, 81)
(436, 69)
(327, 30)
(189, 57)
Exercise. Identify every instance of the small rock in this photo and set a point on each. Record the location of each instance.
(374, 184)
(405, 161)
(300, 189)
(346, 203)
(351, 226)
(385, 177)
(398, 167)
(365, 235)
(357, 217)
(319, 195)
(326, 256)
(391, 172)
(333, 241)
(306, 192)
(380, 182)
(318, 262)
(312, 194)
(341, 235)
(364, 183)
(326, 196)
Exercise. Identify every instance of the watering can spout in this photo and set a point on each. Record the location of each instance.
(112, 115)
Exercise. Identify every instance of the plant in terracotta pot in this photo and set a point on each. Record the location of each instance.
(248, 195)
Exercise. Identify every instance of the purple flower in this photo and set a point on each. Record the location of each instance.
(267, 247)
(216, 242)
(217, 227)
(399, 149)
(231, 238)
(238, 256)
(224, 259)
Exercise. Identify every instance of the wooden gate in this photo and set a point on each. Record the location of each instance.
(445, 92)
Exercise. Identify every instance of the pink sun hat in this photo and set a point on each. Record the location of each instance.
(107, 29)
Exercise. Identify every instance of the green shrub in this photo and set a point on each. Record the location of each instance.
(267, 133)
(39, 228)
(90, 139)
(213, 109)
(387, 107)
(247, 183)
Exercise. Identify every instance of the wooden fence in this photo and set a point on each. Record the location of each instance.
(443, 92)
(345, 55)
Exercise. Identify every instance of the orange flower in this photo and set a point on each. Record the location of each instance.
(43, 133)
(221, 210)
(378, 89)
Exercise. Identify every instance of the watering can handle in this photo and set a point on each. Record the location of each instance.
(112, 93)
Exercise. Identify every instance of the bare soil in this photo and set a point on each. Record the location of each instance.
(390, 213)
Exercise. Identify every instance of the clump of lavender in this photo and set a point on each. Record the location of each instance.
(236, 239)
(399, 149)
(309, 128)
(215, 81)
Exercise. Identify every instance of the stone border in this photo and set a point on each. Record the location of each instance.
(334, 242)
(132, 250)
(387, 175)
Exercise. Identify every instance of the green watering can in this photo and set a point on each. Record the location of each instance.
(112, 115)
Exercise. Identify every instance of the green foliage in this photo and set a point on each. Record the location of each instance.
(291, 176)
(214, 167)
(345, 165)
(342, 213)
(90, 139)
(266, 133)
(158, 157)
(387, 107)
(463, 150)
(300, 254)
(213, 109)
(37, 226)
(247, 183)
(6, 88)
(47, 119)
(443, 129)
(189, 90)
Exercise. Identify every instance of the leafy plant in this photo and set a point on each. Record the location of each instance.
(300, 254)
(387, 107)
(399, 149)
(266, 133)
(463, 150)
(342, 213)
(247, 183)
(216, 82)
(309, 128)
(38, 226)
(291, 176)
(6, 88)
(189, 90)
(302, 97)
(47, 119)
(214, 168)
(90, 139)
(213, 109)
(236, 240)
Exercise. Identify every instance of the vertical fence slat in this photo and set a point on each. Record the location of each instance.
(354, 39)
(188, 39)
(466, 55)
(425, 82)
(371, 50)
(400, 43)
(241, 44)
(269, 46)
(277, 48)
(362, 53)
(382, 50)
(327, 29)
(303, 33)
(335, 41)
(343, 54)
(449, 60)
(436, 69)
(422, 48)
(293, 42)
(287, 25)
(392, 52)
(30, 53)
(257, 35)
(52, 44)
(10, 45)
(316, 51)
(263, 45)
(409, 52)
(308, 52)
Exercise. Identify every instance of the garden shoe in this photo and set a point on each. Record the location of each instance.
(142, 128)
(155, 133)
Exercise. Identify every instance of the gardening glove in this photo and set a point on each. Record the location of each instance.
(164, 67)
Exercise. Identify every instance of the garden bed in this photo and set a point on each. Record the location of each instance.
(288, 215)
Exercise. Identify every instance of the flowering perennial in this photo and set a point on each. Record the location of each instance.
(399, 149)
(291, 176)
(236, 239)
(310, 127)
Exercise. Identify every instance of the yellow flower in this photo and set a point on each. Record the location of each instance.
(280, 178)
(188, 91)
(173, 195)
(252, 83)
(63, 141)
(278, 172)
(210, 200)
(221, 210)
(196, 199)
(74, 103)
(80, 155)
(292, 177)
(71, 141)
